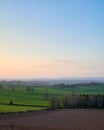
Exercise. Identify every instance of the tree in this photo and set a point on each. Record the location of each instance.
(53, 103)
(29, 89)
(56, 103)
(1, 86)
(46, 94)
(11, 102)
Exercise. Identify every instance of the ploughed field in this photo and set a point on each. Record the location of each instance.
(38, 98)
(73, 119)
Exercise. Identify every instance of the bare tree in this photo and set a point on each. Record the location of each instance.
(45, 94)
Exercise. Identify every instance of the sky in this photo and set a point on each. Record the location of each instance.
(51, 38)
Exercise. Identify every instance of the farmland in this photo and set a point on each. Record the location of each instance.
(54, 120)
(39, 97)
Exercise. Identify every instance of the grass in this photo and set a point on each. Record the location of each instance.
(36, 98)
(9, 108)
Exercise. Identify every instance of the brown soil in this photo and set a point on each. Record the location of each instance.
(55, 120)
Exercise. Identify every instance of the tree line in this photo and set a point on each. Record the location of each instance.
(62, 85)
(77, 101)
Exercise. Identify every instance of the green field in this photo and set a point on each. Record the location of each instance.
(24, 100)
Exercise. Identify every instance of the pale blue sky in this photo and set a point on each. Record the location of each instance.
(42, 32)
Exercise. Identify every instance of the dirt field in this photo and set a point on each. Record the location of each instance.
(54, 120)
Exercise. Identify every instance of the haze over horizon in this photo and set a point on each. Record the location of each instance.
(51, 38)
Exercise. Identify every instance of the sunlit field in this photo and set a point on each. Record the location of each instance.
(39, 98)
